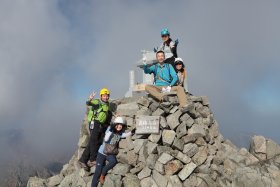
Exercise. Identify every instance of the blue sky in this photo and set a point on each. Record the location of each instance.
(54, 53)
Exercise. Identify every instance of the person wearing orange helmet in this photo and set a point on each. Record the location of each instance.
(97, 118)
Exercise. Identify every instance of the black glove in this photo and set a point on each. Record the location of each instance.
(133, 131)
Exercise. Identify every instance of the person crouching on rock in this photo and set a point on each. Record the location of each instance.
(97, 118)
(109, 149)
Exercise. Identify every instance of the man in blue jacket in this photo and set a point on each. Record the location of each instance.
(165, 79)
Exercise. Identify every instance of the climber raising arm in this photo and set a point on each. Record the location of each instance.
(149, 70)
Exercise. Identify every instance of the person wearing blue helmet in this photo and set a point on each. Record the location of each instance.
(168, 46)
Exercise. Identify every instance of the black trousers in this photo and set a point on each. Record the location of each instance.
(95, 140)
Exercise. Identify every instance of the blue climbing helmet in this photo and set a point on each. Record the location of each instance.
(164, 32)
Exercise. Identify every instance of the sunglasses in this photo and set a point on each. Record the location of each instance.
(163, 36)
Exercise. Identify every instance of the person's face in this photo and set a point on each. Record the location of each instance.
(165, 37)
(179, 66)
(160, 58)
(105, 97)
(119, 127)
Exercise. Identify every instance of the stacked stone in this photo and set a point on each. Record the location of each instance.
(188, 151)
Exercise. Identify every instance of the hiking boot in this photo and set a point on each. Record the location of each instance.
(83, 165)
(187, 108)
(91, 163)
(102, 179)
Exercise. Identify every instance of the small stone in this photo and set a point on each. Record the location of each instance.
(158, 112)
(144, 101)
(197, 129)
(123, 144)
(137, 168)
(186, 171)
(131, 181)
(173, 119)
(178, 144)
(121, 169)
(132, 158)
(138, 143)
(173, 167)
(155, 137)
(258, 144)
(272, 149)
(200, 142)
(146, 172)
(159, 167)
(174, 109)
(183, 158)
(151, 147)
(159, 179)
(190, 149)
(164, 158)
(128, 109)
(205, 101)
(201, 156)
(54, 180)
(168, 137)
(181, 130)
(163, 122)
(151, 160)
(148, 182)
(174, 181)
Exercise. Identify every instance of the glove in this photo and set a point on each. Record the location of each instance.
(176, 42)
(133, 131)
(155, 49)
(168, 89)
(144, 60)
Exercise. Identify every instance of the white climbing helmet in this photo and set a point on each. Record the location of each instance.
(120, 120)
(178, 59)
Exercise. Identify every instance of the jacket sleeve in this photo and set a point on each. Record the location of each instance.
(173, 75)
(149, 70)
(94, 103)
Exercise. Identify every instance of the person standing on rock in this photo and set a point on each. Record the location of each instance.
(168, 46)
(109, 149)
(97, 118)
(165, 79)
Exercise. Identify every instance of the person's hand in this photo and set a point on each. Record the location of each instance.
(163, 90)
(133, 131)
(144, 60)
(168, 89)
(91, 96)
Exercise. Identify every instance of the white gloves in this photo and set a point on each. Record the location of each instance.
(144, 60)
(166, 90)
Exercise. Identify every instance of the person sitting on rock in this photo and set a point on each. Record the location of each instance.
(109, 149)
(165, 79)
(181, 72)
(168, 46)
(97, 118)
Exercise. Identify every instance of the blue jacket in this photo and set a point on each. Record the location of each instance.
(164, 76)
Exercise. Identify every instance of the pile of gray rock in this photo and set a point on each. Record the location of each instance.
(189, 151)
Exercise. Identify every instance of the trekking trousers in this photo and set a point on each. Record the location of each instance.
(94, 143)
(155, 91)
(100, 160)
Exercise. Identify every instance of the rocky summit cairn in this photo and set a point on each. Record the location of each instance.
(188, 151)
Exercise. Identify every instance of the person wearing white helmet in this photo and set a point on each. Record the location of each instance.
(181, 72)
(109, 149)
